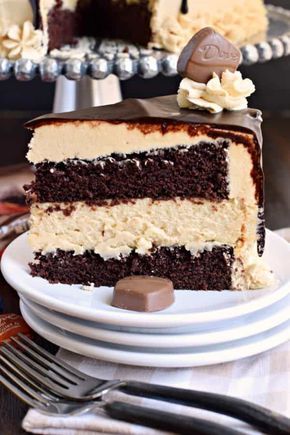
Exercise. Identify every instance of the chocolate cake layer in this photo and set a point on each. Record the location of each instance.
(115, 19)
(99, 18)
(200, 171)
(209, 270)
(63, 27)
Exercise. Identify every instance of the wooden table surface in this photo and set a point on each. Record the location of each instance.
(276, 155)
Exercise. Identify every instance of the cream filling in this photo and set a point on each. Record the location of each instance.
(114, 230)
(60, 141)
(233, 19)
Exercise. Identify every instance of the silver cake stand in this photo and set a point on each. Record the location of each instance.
(107, 57)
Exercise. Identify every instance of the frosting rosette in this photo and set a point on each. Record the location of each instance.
(229, 92)
(24, 42)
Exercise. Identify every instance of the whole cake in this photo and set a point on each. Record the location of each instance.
(161, 23)
(156, 186)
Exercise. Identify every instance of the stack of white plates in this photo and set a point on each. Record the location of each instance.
(200, 328)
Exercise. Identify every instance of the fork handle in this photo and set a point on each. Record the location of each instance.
(263, 418)
(157, 419)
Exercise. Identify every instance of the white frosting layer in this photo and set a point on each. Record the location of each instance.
(89, 140)
(230, 92)
(251, 272)
(240, 179)
(117, 229)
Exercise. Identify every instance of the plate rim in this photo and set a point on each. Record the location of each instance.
(128, 318)
(166, 360)
(164, 340)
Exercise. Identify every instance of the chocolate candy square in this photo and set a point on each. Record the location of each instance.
(207, 52)
(143, 293)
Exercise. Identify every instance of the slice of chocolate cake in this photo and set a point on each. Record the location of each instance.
(145, 187)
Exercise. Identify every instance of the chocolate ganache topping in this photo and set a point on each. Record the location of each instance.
(35, 10)
(159, 109)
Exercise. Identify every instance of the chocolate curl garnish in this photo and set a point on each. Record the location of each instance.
(206, 53)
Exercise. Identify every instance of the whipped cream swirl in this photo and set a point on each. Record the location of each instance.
(230, 93)
(23, 42)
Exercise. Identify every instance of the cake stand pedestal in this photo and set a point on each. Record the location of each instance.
(73, 95)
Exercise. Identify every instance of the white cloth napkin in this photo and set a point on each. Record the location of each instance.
(263, 379)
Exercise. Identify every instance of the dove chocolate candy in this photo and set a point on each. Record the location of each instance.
(207, 52)
(143, 293)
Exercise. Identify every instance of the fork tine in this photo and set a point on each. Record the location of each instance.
(18, 373)
(13, 352)
(20, 394)
(30, 372)
(24, 386)
(43, 361)
(51, 357)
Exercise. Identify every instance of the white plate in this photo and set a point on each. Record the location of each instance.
(189, 308)
(213, 333)
(197, 356)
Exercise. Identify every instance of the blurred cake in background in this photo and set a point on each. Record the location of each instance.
(158, 23)
(163, 23)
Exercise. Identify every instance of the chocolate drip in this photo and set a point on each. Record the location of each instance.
(184, 7)
(35, 11)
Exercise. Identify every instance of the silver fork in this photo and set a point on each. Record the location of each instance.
(52, 373)
(66, 383)
(47, 402)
